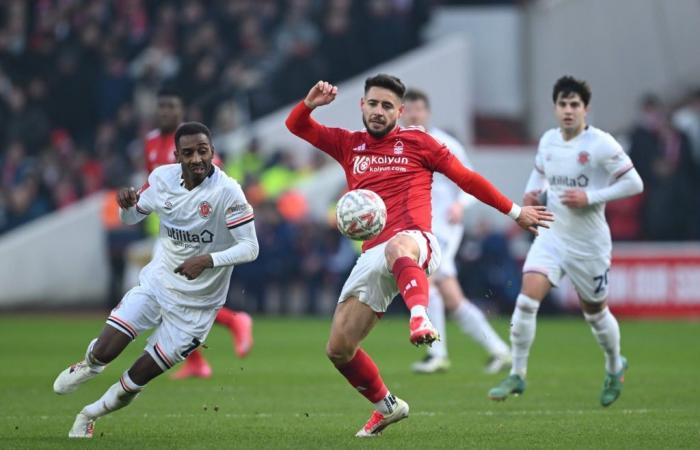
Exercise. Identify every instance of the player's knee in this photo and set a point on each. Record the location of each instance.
(339, 354)
(398, 248)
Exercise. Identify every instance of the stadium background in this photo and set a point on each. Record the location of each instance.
(77, 94)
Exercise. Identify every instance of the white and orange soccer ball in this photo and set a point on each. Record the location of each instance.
(360, 214)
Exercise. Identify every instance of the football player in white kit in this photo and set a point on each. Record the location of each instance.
(206, 227)
(449, 203)
(580, 168)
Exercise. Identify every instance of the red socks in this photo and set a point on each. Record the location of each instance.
(363, 375)
(196, 358)
(226, 317)
(411, 281)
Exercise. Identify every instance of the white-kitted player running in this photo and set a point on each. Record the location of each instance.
(580, 168)
(206, 227)
(449, 203)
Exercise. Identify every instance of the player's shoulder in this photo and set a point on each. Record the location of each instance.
(166, 171)
(550, 136)
(226, 183)
(417, 133)
(602, 141)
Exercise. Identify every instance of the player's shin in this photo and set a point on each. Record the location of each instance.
(362, 373)
(607, 332)
(117, 396)
(413, 285)
(522, 332)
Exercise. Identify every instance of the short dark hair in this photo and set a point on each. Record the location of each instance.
(387, 82)
(190, 128)
(168, 91)
(568, 85)
(414, 95)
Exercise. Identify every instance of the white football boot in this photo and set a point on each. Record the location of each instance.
(83, 427)
(71, 378)
(378, 421)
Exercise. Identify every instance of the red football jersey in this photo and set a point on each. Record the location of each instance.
(399, 167)
(160, 150)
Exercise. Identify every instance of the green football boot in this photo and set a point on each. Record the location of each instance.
(514, 384)
(612, 386)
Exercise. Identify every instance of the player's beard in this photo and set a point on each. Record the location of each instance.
(378, 134)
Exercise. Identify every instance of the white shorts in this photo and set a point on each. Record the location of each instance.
(372, 282)
(589, 275)
(449, 244)
(178, 329)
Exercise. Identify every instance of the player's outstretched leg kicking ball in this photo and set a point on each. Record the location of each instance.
(396, 164)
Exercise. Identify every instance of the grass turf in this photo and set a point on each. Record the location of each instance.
(287, 395)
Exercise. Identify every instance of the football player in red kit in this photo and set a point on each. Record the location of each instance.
(398, 164)
(160, 150)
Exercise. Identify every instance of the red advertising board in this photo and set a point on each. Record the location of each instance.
(651, 279)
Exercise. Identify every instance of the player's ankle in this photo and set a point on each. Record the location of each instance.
(419, 311)
(386, 405)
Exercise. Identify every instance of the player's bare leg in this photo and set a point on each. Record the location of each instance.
(607, 332)
(100, 352)
(473, 323)
(522, 333)
(402, 254)
(119, 395)
(352, 322)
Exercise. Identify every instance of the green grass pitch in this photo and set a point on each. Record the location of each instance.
(287, 395)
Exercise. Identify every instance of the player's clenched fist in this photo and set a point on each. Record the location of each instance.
(127, 197)
(321, 94)
(532, 217)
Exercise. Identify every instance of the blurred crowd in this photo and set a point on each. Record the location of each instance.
(664, 145)
(78, 83)
(78, 78)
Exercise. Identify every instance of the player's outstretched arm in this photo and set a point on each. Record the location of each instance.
(527, 217)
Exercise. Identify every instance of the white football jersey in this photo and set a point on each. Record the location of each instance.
(444, 191)
(590, 161)
(192, 223)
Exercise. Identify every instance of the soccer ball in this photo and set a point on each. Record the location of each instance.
(360, 214)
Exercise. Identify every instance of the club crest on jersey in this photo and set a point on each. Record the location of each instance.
(167, 205)
(204, 210)
(398, 148)
(584, 157)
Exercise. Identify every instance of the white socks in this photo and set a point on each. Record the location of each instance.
(94, 365)
(473, 323)
(117, 396)
(436, 313)
(607, 332)
(522, 332)
(419, 310)
(386, 405)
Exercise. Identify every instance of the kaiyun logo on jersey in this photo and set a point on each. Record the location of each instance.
(374, 163)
